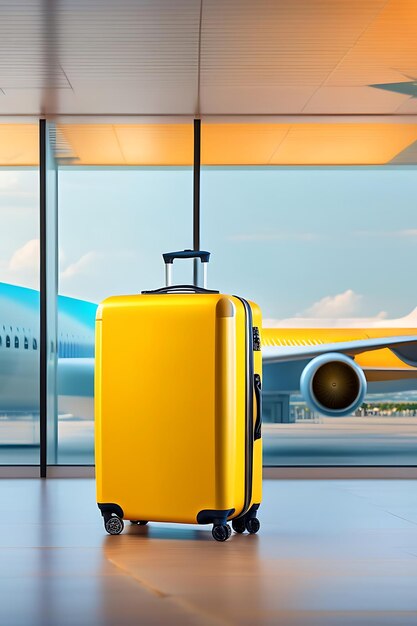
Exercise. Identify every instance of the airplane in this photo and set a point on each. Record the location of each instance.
(19, 349)
(332, 368)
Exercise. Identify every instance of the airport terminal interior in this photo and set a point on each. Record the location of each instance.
(280, 136)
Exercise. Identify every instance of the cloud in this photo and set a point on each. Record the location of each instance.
(80, 266)
(388, 234)
(26, 257)
(97, 273)
(22, 267)
(274, 236)
(343, 304)
(378, 321)
(410, 232)
(339, 311)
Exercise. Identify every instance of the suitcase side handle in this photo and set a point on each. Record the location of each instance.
(180, 289)
(258, 395)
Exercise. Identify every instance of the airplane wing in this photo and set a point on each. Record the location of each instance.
(404, 347)
(388, 374)
(76, 377)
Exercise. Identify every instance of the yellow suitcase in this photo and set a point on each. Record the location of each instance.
(178, 407)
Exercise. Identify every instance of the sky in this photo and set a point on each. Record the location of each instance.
(307, 244)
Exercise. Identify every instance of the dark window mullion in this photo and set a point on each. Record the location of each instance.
(42, 302)
(196, 193)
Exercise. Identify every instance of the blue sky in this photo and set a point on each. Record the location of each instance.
(305, 242)
(291, 237)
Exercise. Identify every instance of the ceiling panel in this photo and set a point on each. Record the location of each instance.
(262, 100)
(249, 47)
(407, 157)
(156, 57)
(343, 144)
(385, 50)
(157, 144)
(222, 144)
(240, 144)
(138, 56)
(28, 44)
(246, 43)
(353, 100)
(19, 144)
(125, 144)
(408, 107)
(306, 143)
(237, 144)
(89, 144)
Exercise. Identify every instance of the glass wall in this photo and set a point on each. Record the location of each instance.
(51, 286)
(328, 253)
(114, 223)
(322, 248)
(19, 295)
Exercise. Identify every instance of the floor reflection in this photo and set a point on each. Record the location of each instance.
(329, 553)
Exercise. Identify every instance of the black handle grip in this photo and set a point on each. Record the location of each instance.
(181, 289)
(187, 254)
(258, 395)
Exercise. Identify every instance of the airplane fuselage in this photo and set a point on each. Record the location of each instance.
(74, 352)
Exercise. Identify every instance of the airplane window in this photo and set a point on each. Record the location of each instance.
(1, 341)
(7, 341)
(35, 344)
(26, 343)
(16, 342)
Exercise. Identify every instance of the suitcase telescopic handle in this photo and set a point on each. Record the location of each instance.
(187, 254)
(169, 258)
(258, 396)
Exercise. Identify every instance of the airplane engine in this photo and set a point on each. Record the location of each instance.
(333, 384)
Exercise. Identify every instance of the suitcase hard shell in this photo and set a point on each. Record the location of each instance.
(177, 410)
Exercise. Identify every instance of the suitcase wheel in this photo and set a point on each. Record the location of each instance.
(252, 525)
(239, 525)
(221, 532)
(138, 522)
(114, 525)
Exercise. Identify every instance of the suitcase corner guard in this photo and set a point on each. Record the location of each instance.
(212, 516)
(109, 508)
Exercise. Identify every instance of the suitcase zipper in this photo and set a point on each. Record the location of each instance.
(249, 438)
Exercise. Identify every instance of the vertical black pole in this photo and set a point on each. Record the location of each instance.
(196, 195)
(43, 301)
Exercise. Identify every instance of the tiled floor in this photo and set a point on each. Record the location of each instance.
(330, 553)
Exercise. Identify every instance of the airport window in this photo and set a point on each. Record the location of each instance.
(26, 343)
(143, 212)
(296, 241)
(16, 342)
(19, 235)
